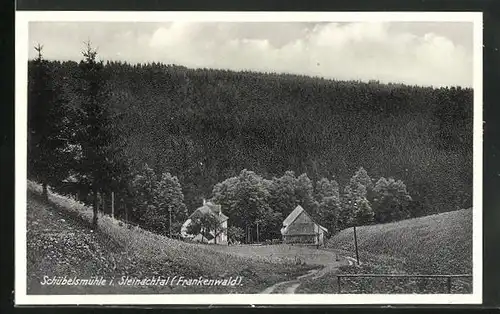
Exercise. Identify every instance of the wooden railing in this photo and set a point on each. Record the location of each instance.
(448, 278)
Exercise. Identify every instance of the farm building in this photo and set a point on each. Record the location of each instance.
(299, 227)
(218, 236)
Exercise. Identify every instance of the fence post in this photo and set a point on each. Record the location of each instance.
(356, 244)
(112, 204)
(449, 284)
(258, 232)
(103, 203)
(338, 283)
(97, 201)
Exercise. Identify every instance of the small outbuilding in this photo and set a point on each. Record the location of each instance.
(300, 228)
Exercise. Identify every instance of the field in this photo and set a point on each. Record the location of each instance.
(60, 242)
(283, 253)
(436, 244)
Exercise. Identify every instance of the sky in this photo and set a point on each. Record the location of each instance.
(415, 53)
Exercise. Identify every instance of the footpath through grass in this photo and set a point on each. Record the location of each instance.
(61, 242)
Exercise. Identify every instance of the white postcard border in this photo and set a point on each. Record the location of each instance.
(21, 53)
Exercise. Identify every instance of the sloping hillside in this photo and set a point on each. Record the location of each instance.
(206, 125)
(60, 242)
(436, 244)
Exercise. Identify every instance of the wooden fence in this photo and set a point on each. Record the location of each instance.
(448, 278)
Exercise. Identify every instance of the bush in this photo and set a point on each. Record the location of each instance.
(235, 234)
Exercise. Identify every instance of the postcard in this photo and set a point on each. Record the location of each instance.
(248, 158)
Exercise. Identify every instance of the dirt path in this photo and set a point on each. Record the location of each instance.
(290, 287)
(327, 260)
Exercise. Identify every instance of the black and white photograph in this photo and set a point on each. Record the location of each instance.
(248, 158)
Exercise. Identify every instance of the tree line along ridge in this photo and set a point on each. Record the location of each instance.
(163, 137)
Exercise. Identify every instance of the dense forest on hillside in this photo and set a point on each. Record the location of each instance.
(204, 126)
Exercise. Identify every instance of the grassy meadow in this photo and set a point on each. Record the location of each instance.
(431, 245)
(61, 242)
(295, 254)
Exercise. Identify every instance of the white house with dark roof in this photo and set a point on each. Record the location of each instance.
(299, 227)
(209, 236)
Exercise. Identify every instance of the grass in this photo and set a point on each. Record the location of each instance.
(281, 253)
(61, 242)
(436, 244)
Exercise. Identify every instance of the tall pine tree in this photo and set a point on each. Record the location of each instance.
(100, 166)
(48, 127)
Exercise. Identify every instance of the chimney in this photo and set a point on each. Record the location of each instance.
(204, 202)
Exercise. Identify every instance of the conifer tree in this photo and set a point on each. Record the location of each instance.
(361, 177)
(364, 213)
(48, 127)
(100, 166)
(182, 118)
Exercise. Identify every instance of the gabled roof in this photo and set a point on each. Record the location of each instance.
(300, 228)
(293, 216)
(212, 209)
